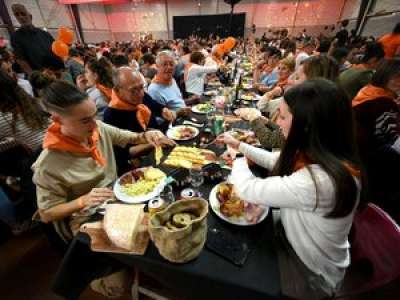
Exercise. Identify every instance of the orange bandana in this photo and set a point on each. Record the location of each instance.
(106, 91)
(302, 161)
(371, 92)
(55, 140)
(143, 113)
(158, 79)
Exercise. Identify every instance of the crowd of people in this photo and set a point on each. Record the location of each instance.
(329, 103)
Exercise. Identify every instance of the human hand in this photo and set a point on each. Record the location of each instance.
(157, 138)
(168, 115)
(228, 139)
(184, 112)
(96, 197)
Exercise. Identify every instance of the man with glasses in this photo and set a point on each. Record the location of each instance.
(132, 109)
(163, 88)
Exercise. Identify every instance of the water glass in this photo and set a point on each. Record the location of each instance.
(196, 177)
(167, 194)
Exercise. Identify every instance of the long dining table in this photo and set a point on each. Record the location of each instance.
(209, 276)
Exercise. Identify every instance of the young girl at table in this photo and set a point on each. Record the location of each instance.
(77, 163)
(315, 179)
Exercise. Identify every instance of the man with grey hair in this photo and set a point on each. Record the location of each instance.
(32, 45)
(163, 88)
(132, 109)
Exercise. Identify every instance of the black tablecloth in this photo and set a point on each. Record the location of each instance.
(207, 277)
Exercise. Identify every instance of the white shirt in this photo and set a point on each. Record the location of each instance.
(300, 58)
(320, 242)
(26, 86)
(194, 79)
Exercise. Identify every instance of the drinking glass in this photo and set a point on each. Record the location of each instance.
(167, 194)
(196, 178)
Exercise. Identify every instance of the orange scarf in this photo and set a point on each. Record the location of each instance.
(143, 113)
(186, 71)
(371, 92)
(283, 82)
(55, 140)
(106, 91)
(302, 161)
(158, 79)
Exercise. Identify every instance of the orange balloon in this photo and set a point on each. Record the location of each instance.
(220, 50)
(65, 35)
(229, 43)
(60, 48)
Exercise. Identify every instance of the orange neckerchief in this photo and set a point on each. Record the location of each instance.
(371, 92)
(143, 113)
(55, 140)
(186, 70)
(106, 91)
(302, 161)
(283, 82)
(158, 79)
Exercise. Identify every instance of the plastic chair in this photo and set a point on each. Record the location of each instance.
(375, 246)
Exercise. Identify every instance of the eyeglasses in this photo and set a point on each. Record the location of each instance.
(135, 89)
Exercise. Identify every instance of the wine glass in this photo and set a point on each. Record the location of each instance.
(196, 179)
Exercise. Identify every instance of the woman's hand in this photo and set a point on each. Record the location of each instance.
(227, 138)
(157, 138)
(95, 197)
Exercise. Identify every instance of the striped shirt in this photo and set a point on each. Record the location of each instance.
(23, 134)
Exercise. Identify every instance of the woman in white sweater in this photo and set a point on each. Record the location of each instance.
(314, 180)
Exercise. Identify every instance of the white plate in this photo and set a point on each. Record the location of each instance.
(241, 221)
(171, 133)
(197, 111)
(120, 195)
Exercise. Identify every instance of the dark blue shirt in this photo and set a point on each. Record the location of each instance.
(125, 119)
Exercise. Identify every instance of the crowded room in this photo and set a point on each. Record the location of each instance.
(199, 149)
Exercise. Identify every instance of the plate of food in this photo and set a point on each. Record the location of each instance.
(203, 108)
(249, 96)
(189, 157)
(229, 207)
(182, 132)
(247, 113)
(211, 93)
(246, 136)
(140, 185)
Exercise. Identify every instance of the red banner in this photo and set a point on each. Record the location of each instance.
(106, 2)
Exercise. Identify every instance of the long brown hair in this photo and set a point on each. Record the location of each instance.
(103, 69)
(322, 131)
(16, 101)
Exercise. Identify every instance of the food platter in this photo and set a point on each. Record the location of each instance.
(251, 214)
(189, 157)
(182, 132)
(140, 185)
(250, 96)
(203, 108)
